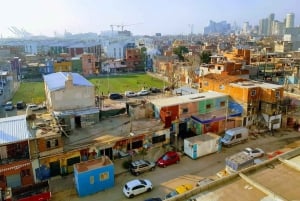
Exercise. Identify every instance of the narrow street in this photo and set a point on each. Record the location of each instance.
(206, 166)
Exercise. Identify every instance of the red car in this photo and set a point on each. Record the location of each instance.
(168, 158)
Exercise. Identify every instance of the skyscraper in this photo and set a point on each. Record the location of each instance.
(270, 23)
(263, 27)
(290, 18)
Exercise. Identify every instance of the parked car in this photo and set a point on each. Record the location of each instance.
(130, 94)
(143, 92)
(180, 190)
(235, 136)
(155, 90)
(153, 199)
(139, 166)
(9, 106)
(33, 107)
(21, 105)
(254, 152)
(136, 187)
(204, 182)
(168, 158)
(115, 96)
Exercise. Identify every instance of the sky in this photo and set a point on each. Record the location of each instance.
(141, 17)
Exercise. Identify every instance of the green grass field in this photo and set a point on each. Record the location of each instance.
(33, 92)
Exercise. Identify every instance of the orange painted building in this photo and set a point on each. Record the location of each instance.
(254, 97)
(239, 56)
(62, 66)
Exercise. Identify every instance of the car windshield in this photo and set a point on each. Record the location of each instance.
(165, 157)
(247, 151)
(227, 137)
(172, 194)
(142, 181)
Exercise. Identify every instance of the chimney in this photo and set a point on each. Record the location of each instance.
(69, 81)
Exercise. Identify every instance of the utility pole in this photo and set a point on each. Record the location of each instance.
(191, 34)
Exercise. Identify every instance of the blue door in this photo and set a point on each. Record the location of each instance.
(194, 151)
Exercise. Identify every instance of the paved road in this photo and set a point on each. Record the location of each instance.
(204, 167)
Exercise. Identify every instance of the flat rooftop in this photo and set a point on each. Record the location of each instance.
(177, 100)
(93, 164)
(274, 179)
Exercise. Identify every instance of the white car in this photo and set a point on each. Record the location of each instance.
(33, 107)
(130, 94)
(254, 152)
(136, 187)
(143, 92)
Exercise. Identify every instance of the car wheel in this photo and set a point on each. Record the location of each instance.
(149, 189)
(131, 196)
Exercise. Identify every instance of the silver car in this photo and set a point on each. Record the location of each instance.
(139, 166)
(9, 106)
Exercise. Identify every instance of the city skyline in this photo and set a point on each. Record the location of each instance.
(138, 16)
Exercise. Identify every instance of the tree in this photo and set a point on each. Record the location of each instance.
(205, 56)
(179, 51)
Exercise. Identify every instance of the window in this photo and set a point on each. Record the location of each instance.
(253, 92)
(2, 178)
(52, 143)
(25, 172)
(277, 94)
(219, 67)
(158, 139)
(222, 103)
(208, 106)
(103, 176)
(89, 61)
(238, 136)
(92, 180)
(185, 110)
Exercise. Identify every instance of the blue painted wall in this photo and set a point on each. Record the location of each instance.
(93, 181)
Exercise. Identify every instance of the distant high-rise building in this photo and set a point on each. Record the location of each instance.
(270, 23)
(290, 18)
(278, 28)
(246, 28)
(263, 27)
(217, 28)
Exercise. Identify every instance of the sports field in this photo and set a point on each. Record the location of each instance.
(33, 92)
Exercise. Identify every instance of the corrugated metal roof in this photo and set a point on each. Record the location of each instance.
(13, 129)
(178, 100)
(56, 81)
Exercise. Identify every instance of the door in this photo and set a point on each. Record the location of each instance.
(54, 168)
(71, 162)
(194, 151)
(138, 189)
(77, 121)
(13, 180)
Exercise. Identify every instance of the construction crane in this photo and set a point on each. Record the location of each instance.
(19, 32)
(121, 26)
